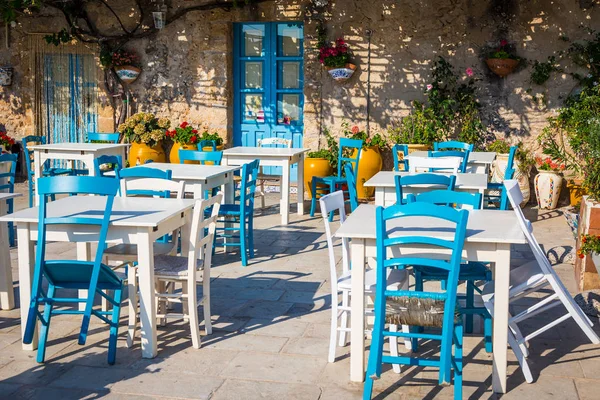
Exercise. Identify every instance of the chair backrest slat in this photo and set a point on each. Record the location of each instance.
(419, 180)
(463, 155)
(453, 144)
(426, 164)
(115, 161)
(461, 200)
(396, 150)
(249, 177)
(149, 182)
(8, 168)
(330, 203)
(112, 137)
(202, 248)
(274, 141)
(208, 143)
(204, 157)
(349, 153)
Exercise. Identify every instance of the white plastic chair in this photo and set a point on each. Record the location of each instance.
(262, 178)
(343, 283)
(530, 278)
(440, 164)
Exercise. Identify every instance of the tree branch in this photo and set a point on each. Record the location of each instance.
(116, 16)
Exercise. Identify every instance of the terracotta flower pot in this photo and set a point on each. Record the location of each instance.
(127, 73)
(369, 163)
(342, 74)
(315, 167)
(139, 153)
(547, 189)
(502, 66)
(174, 153)
(576, 192)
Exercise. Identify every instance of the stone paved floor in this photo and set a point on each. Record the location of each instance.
(271, 336)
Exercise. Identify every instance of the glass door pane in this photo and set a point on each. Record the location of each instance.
(289, 75)
(253, 40)
(253, 75)
(289, 40)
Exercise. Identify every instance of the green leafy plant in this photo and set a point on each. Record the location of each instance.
(542, 70)
(589, 244)
(212, 136)
(499, 146)
(144, 128)
(525, 158)
(377, 140)
(336, 56)
(330, 153)
(503, 51)
(184, 134)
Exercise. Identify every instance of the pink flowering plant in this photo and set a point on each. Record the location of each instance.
(377, 140)
(336, 55)
(123, 57)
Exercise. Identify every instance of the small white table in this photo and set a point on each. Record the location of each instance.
(84, 152)
(490, 234)
(274, 157)
(199, 178)
(133, 220)
(385, 185)
(7, 296)
(479, 161)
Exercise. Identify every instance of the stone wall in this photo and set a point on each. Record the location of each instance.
(187, 66)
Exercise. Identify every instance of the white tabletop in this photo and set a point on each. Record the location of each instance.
(126, 212)
(484, 226)
(78, 146)
(7, 196)
(463, 181)
(264, 151)
(475, 157)
(191, 171)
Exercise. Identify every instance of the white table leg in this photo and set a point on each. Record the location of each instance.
(26, 255)
(357, 313)
(84, 253)
(146, 285)
(89, 164)
(7, 296)
(502, 279)
(300, 185)
(37, 173)
(380, 196)
(284, 205)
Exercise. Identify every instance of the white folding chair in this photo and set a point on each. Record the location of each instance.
(530, 278)
(343, 282)
(438, 164)
(262, 178)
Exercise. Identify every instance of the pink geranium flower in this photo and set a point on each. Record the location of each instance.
(429, 87)
(469, 71)
(503, 42)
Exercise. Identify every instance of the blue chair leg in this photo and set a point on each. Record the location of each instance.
(30, 187)
(114, 327)
(331, 190)
(458, 362)
(313, 201)
(418, 288)
(469, 306)
(251, 235)
(487, 333)
(41, 353)
(89, 304)
(243, 241)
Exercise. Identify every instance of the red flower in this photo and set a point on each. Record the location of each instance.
(355, 129)
(183, 125)
(193, 139)
(503, 42)
(194, 131)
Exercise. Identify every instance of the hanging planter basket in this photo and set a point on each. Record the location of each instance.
(128, 73)
(6, 74)
(342, 74)
(502, 66)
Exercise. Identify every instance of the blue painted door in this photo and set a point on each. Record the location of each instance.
(268, 84)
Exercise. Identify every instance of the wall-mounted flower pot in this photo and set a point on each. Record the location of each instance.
(6, 74)
(502, 66)
(342, 74)
(127, 73)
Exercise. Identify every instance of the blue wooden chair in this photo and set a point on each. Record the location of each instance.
(7, 175)
(132, 174)
(103, 137)
(464, 155)
(115, 161)
(501, 199)
(208, 143)
(447, 181)
(396, 150)
(329, 184)
(470, 272)
(204, 157)
(419, 308)
(92, 276)
(352, 192)
(241, 216)
(453, 145)
(46, 170)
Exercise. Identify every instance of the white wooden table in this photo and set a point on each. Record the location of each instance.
(84, 152)
(385, 185)
(274, 157)
(7, 296)
(133, 220)
(490, 234)
(199, 178)
(479, 161)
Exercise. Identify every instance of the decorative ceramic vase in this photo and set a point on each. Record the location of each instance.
(502, 66)
(576, 192)
(596, 260)
(6, 74)
(369, 163)
(174, 153)
(127, 73)
(342, 74)
(498, 170)
(315, 167)
(139, 153)
(547, 189)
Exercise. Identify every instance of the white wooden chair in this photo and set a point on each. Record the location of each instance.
(343, 282)
(530, 278)
(439, 164)
(262, 178)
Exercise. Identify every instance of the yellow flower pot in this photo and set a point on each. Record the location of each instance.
(576, 192)
(369, 164)
(139, 153)
(209, 148)
(315, 167)
(174, 154)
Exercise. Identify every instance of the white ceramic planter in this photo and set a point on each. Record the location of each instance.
(342, 74)
(596, 260)
(128, 73)
(498, 169)
(547, 189)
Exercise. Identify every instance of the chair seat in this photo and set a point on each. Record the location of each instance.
(330, 179)
(173, 266)
(413, 311)
(394, 278)
(77, 275)
(526, 275)
(267, 177)
(229, 210)
(56, 171)
(495, 185)
(468, 272)
(128, 251)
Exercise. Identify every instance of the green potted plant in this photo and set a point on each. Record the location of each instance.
(590, 244)
(502, 60)
(336, 58)
(145, 132)
(321, 162)
(214, 137)
(185, 137)
(419, 130)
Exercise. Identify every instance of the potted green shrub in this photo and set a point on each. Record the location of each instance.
(419, 130)
(321, 162)
(590, 244)
(502, 60)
